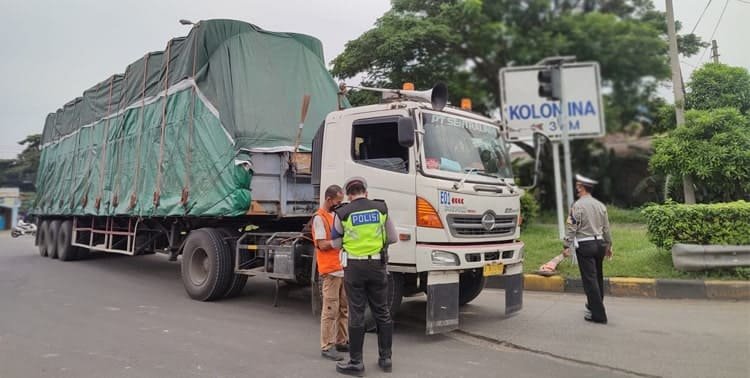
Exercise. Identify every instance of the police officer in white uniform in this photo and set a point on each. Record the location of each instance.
(587, 231)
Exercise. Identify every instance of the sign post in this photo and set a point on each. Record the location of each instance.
(567, 105)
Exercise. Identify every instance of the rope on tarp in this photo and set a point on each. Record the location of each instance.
(78, 150)
(103, 157)
(185, 196)
(85, 198)
(134, 195)
(73, 170)
(157, 191)
(120, 139)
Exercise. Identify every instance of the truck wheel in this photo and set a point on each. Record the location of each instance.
(238, 280)
(395, 296)
(206, 265)
(51, 239)
(65, 251)
(82, 253)
(470, 284)
(396, 292)
(42, 238)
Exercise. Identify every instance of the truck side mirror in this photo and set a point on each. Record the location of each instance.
(406, 128)
(539, 140)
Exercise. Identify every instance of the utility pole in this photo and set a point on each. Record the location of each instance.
(715, 51)
(679, 98)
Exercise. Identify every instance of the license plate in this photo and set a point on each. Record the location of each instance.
(493, 270)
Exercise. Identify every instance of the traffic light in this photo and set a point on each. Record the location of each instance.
(549, 83)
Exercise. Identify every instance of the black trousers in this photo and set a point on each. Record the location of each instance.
(590, 256)
(366, 282)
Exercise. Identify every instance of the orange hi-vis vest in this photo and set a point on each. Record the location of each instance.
(328, 261)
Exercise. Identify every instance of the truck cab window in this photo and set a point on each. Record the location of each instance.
(375, 144)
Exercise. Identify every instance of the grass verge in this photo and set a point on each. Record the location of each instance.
(634, 255)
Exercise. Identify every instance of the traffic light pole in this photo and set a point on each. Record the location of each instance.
(551, 87)
(564, 125)
(563, 122)
(558, 190)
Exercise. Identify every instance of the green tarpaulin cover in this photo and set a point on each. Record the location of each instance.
(169, 128)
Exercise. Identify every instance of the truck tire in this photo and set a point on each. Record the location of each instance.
(238, 281)
(470, 284)
(82, 253)
(65, 251)
(395, 296)
(51, 239)
(206, 265)
(42, 238)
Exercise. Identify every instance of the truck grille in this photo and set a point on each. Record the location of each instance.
(471, 226)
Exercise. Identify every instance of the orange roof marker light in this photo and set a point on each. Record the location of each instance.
(408, 86)
(466, 103)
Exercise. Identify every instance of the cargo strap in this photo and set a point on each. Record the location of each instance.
(157, 190)
(134, 194)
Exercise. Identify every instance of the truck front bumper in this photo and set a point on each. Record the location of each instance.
(443, 257)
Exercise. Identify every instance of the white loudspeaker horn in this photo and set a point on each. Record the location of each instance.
(437, 96)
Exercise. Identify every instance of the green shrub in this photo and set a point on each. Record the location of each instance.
(718, 223)
(529, 208)
(620, 215)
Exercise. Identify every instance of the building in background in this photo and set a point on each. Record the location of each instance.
(10, 201)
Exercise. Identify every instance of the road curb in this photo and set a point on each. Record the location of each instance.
(632, 287)
(640, 287)
(739, 290)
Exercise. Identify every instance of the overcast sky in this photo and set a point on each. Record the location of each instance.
(55, 49)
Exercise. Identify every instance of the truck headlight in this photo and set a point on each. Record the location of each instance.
(444, 258)
(520, 253)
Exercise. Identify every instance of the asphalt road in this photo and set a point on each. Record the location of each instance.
(119, 316)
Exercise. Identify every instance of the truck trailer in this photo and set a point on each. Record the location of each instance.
(215, 150)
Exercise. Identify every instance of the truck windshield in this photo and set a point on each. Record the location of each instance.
(461, 145)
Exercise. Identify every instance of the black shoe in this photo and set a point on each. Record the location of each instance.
(353, 368)
(331, 354)
(588, 318)
(342, 347)
(385, 364)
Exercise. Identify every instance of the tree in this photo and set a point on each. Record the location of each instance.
(713, 146)
(464, 43)
(717, 85)
(22, 170)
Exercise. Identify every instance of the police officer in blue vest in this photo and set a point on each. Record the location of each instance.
(363, 230)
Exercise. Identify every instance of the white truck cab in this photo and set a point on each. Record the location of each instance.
(446, 177)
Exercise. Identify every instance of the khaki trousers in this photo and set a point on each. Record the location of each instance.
(334, 317)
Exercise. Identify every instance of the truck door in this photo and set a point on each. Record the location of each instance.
(388, 167)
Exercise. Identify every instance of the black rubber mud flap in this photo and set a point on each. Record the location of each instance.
(513, 286)
(442, 302)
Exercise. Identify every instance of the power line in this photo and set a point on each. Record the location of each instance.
(744, 2)
(701, 17)
(688, 63)
(715, 28)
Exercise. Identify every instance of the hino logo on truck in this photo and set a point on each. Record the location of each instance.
(488, 220)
